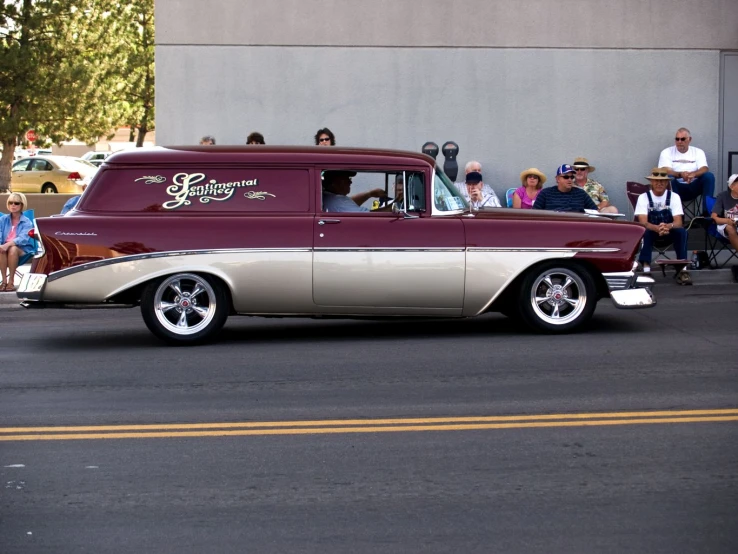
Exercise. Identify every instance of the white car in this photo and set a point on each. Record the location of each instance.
(96, 158)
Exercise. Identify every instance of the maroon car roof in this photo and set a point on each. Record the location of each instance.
(267, 154)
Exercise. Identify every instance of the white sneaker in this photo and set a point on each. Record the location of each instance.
(646, 268)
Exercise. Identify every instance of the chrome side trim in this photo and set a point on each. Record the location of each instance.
(620, 280)
(540, 249)
(151, 255)
(338, 249)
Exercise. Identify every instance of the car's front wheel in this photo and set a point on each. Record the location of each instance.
(185, 308)
(557, 297)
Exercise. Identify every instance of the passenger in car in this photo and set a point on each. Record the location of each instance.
(337, 186)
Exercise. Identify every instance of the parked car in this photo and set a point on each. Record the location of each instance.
(96, 158)
(195, 234)
(51, 174)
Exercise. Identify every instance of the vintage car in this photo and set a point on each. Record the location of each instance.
(195, 234)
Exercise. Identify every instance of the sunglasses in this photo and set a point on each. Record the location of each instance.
(681, 139)
(326, 139)
(15, 203)
(568, 176)
(660, 174)
(581, 168)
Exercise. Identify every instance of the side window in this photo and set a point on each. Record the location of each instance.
(40, 165)
(364, 191)
(21, 165)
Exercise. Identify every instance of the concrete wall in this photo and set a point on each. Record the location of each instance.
(529, 83)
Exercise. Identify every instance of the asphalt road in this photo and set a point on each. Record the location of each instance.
(373, 436)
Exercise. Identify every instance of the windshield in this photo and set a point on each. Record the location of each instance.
(445, 196)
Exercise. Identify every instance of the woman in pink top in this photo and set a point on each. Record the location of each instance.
(532, 181)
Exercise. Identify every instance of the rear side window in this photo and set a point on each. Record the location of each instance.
(198, 190)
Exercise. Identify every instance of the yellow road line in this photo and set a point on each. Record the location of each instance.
(350, 422)
(364, 429)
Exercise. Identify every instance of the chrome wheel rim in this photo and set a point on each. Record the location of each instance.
(184, 304)
(558, 296)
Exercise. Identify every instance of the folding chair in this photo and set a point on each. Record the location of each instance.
(25, 258)
(509, 197)
(715, 242)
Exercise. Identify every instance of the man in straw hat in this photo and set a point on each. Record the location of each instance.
(595, 190)
(564, 197)
(660, 212)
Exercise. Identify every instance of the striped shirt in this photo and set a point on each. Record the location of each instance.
(576, 200)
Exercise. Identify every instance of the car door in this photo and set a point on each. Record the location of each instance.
(389, 263)
(40, 172)
(18, 176)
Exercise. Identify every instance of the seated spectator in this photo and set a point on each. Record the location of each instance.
(72, 202)
(14, 239)
(725, 212)
(660, 212)
(532, 180)
(325, 137)
(337, 186)
(595, 190)
(491, 200)
(208, 140)
(687, 166)
(475, 192)
(564, 197)
(255, 138)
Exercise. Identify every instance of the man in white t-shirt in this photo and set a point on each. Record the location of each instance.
(687, 166)
(660, 212)
(490, 198)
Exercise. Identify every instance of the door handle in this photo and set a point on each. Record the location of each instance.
(329, 221)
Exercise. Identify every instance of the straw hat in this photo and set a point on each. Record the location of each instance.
(659, 173)
(532, 171)
(582, 162)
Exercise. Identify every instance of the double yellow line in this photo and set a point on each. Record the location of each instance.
(334, 426)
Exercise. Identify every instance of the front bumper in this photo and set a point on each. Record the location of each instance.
(630, 291)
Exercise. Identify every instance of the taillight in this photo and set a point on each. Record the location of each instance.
(75, 176)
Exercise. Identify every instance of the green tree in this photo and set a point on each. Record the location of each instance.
(136, 20)
(60, 72)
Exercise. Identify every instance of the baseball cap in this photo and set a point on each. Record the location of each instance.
(474, 177)
(565, 168)
(732, 179)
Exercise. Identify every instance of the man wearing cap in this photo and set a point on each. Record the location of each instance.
(564, 197)
(475, 193)
(595, 190)
(725, 212)
(337, 185)
(489, 196)
(687, 167)
(660, 212)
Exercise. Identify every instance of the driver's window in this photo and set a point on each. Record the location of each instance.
(364, 191)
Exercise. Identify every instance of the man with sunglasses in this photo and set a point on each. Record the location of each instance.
(564, 197)
(687, 167)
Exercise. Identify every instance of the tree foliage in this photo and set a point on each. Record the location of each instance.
(73, 69)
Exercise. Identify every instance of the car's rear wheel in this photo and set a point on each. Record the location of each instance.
(185, 308)
(48, 188)
(557, 297)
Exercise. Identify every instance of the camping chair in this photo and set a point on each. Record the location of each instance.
(715, 242)
(633, 190)
(509, 197)
(25, 258)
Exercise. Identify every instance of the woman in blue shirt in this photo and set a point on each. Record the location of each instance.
(14, 239)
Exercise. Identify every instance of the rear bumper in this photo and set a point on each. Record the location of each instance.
(630, 291)
(32, 286)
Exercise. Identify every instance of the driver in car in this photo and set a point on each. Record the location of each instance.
(337, 186)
